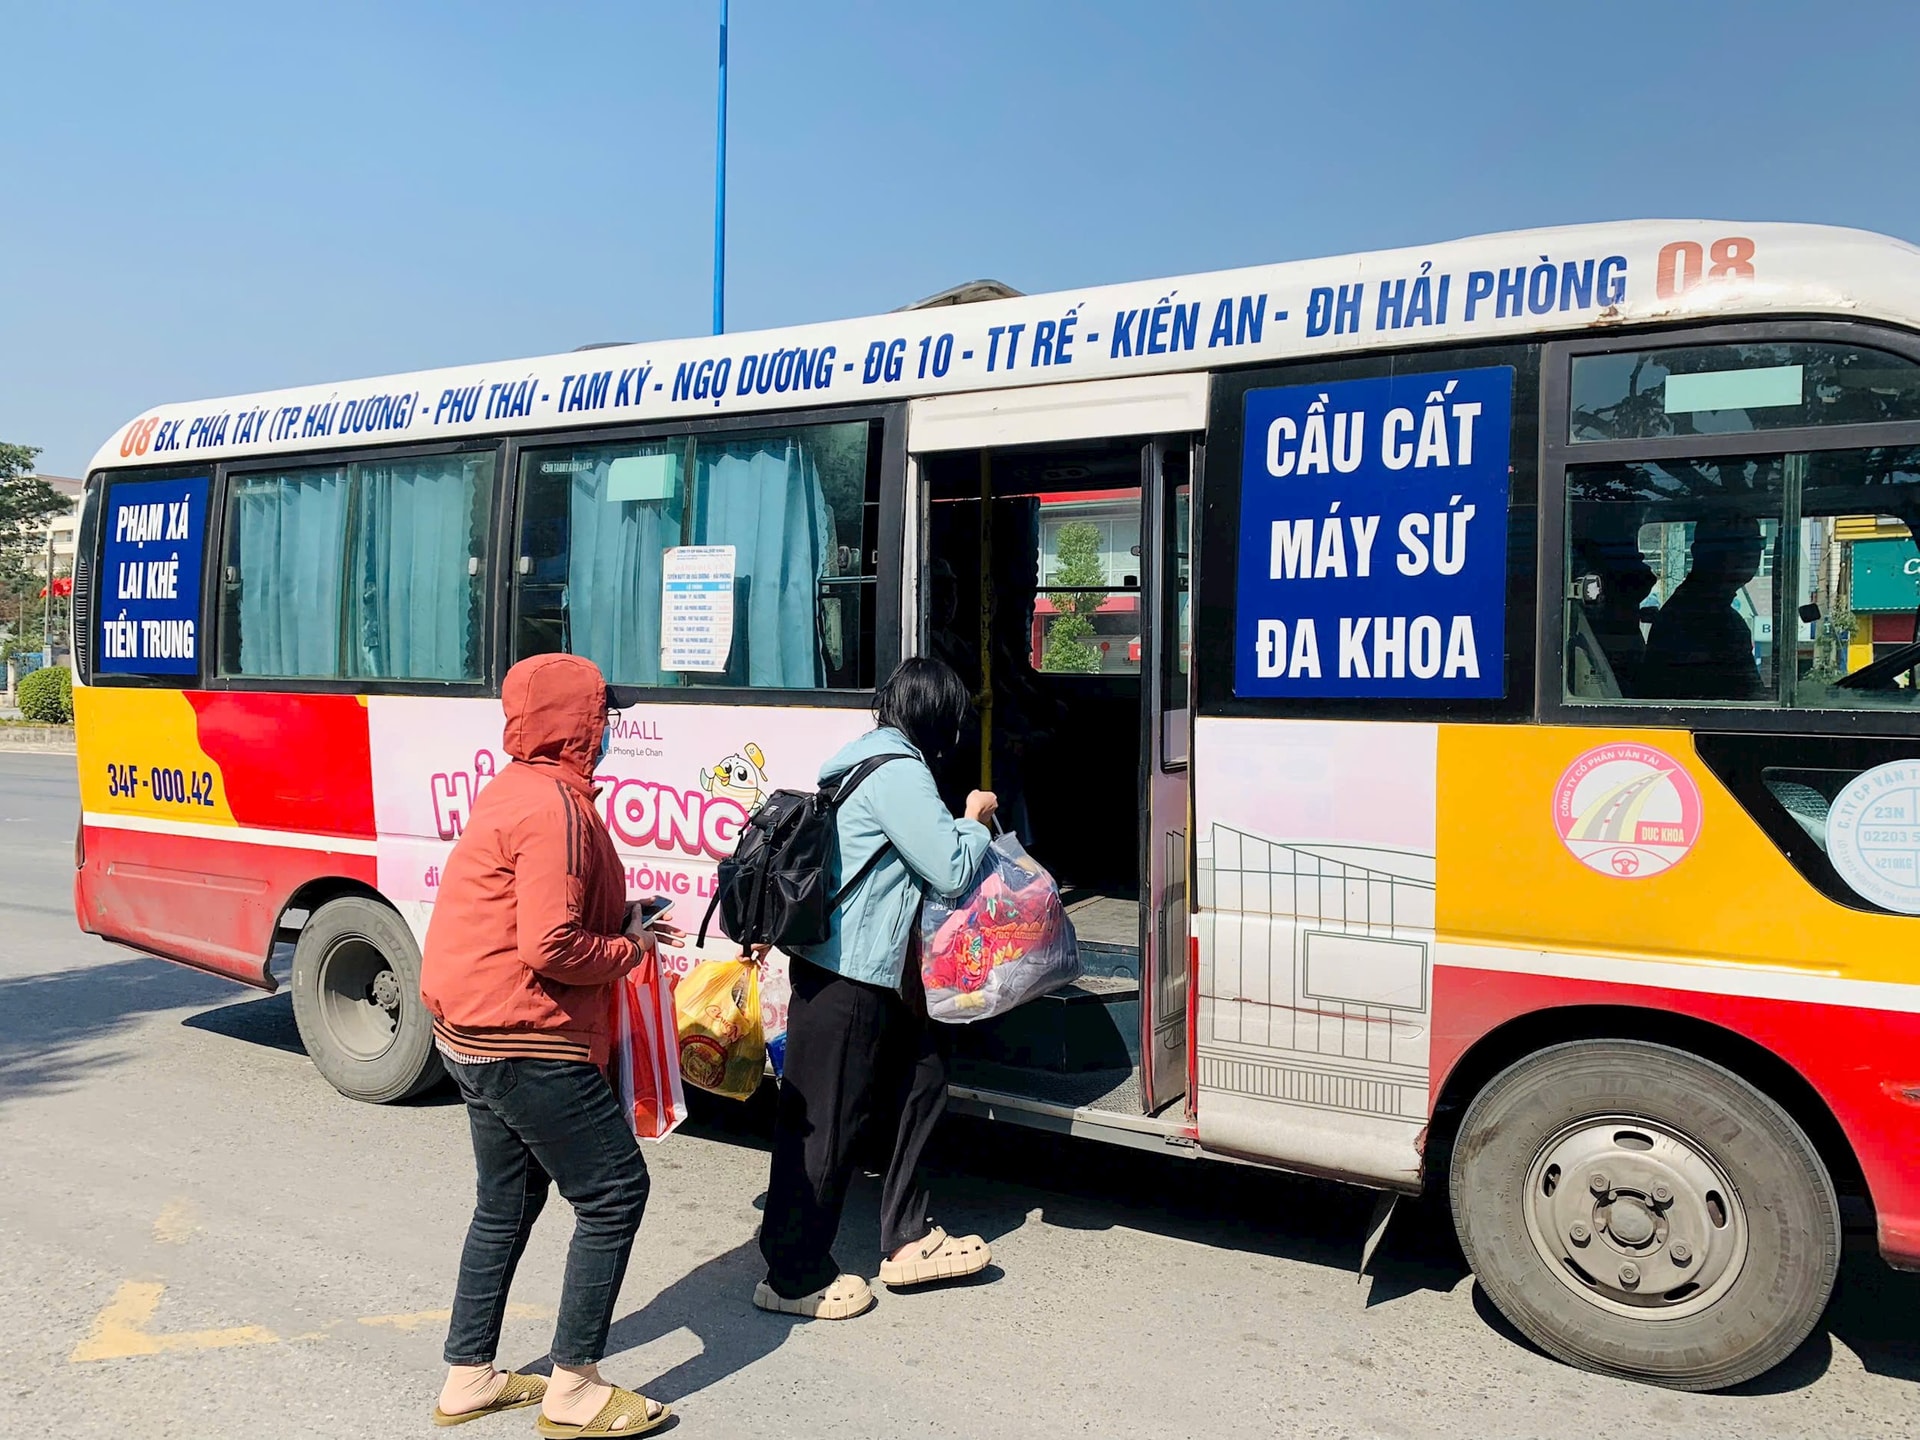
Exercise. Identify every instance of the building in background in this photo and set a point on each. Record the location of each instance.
(1883, 588)
(64, 528)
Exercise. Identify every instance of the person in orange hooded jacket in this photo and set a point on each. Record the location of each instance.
(530, 933)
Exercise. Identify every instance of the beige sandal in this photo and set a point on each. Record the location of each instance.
(625, 1413)
(519, 1392)
(938, 1257)
(842, 1300)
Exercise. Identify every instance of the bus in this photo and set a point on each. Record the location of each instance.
(1465, 693)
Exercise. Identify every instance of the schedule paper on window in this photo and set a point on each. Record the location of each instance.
(696, 607)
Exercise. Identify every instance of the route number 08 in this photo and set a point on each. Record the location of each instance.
(1685, 263)
(138, 437)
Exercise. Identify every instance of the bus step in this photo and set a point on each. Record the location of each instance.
(1093, 1024)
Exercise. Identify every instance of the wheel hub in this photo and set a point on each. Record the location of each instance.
(1635, 1217)
(359, 997)
(1630, 1223)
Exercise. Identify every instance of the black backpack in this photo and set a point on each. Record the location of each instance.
(773, 889)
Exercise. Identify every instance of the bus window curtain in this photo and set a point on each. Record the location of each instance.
(763, 497)
(413, 610)
(612, 601)
(290, 534)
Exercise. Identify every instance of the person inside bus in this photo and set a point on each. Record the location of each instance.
(530, 933)
(1699, 646)
(859, 1042)
(1614, 613)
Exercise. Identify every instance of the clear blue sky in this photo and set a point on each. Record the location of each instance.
(205, 198)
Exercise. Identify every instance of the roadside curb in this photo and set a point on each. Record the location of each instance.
(36, 740)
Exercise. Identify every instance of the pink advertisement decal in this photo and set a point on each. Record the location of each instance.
(675, 788)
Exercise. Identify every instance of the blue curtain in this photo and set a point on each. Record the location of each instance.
(290, 535)
(763, 497)
(375, 553)
(612, 600)
(414, 610)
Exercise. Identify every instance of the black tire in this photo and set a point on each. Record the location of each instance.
(356, 999)
(1776, 1227)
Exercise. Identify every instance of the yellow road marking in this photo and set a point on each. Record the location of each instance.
(120, 1331)
(175, 1225)
(123, 1330)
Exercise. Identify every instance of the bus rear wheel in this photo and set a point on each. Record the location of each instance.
(1639, 1211)
(356, 999)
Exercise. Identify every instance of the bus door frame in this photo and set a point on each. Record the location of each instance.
(1165, 782)
(1160, 411)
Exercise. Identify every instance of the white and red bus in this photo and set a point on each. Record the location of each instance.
(1467, 762)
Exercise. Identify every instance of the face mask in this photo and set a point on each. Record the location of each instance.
(606, 741)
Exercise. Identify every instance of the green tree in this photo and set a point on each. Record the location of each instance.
(27, 503)
(1067, 649)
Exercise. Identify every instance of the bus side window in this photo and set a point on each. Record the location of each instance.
(1718, 390)
(1688, 585)
(791, 513)
(366, 571)
(1672, 565)
(1788, 579)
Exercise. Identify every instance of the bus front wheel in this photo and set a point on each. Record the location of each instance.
(356, 999)
(1642, 1212)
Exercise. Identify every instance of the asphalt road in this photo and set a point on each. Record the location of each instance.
(199, 1238)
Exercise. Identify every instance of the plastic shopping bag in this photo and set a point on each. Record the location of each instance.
(776, 996)
(645, 1062)
(722, 1045)
(1003, 943)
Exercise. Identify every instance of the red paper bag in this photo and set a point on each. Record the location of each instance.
(646, 1054)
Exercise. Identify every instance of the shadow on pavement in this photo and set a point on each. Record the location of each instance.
(710, 1301)
(266, 1021)
(56, 1028)
(989, 1178)
(1876, 1314)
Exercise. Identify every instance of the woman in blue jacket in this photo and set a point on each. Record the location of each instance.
(858, 1037)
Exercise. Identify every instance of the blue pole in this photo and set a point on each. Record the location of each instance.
(720, 192)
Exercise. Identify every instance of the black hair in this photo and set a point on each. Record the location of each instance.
(926, 701)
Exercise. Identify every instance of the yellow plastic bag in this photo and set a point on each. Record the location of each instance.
(723, 1046)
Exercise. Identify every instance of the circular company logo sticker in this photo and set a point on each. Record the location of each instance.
(1627, 810)
(1873, 836)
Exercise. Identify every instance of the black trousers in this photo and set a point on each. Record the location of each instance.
(854, 1051)
(537, 1123)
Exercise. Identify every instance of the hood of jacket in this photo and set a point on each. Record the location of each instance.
(556, 712)
(882, 740)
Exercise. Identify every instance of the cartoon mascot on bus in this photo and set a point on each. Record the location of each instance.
(741, 778)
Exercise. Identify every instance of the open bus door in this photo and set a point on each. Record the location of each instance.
(1052, 574)
(1166, 621)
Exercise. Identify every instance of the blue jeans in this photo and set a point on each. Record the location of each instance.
(537, 1123)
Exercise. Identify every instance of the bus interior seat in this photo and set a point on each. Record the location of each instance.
(1591, 675)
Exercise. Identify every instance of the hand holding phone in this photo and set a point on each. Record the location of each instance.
(646, 921)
